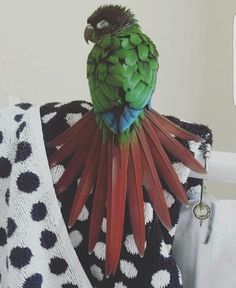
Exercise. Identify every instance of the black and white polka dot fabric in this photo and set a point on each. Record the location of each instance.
(35, 248)
(157, 269)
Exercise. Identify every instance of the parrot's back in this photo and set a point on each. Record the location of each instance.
(122, 71)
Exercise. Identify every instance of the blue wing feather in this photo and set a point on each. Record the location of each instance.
(123, 122)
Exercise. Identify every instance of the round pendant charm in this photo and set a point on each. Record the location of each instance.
(201, 211)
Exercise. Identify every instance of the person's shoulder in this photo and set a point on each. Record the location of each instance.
(196, 128)
(60, 108)
(56, 117)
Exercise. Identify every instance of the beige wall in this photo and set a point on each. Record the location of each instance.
(43, 57)
(217, 99)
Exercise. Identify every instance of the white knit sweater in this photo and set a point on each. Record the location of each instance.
(35, 249)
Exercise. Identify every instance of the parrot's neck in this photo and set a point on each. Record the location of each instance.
(127, 30)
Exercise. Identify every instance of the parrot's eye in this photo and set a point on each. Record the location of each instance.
(89, 26)
(102, 24)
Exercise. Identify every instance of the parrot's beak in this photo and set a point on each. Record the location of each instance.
(89, 34)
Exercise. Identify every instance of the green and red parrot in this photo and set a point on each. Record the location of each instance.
(118, 147)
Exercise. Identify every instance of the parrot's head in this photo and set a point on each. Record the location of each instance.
(107, 20)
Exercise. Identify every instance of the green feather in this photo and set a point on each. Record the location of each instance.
(101, 98)
(135, 39)
(116, 69)
(153, 50)
(120, 53)
(126, 44)
(105, 42)
(143, 99)
(98, 53)
(102, 76)
(143, 51)
(135, 79)
(153, 64)
(115, 44)
(135, 67)
(109, 91)
(91, 68)
(143, 68)
(104, 54)
(114, 81)
(132, 95)
(131, 57)
(113, 59)
(102, 67)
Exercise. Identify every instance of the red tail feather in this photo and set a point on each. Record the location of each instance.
(152, 182)
(135, 195)
(64, 152)
(99, 200)
(87, 180)
(76, 164)
(110, 191)
(72, 143)
(163, 163)
(175, 148)
(173, 128)
(67, 135)
(116, 199)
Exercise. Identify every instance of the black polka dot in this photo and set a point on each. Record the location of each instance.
(48, 239)
(69, 285)
(5, 167)
(23, 151)
(39, 211)
(58, 265)
(7, 196)
(20, 257)
(28, 182)
(11, 227)
(3, 236)
(24, 106)
(1, 137)
(34, 281)
(18, 117)
(20, 129)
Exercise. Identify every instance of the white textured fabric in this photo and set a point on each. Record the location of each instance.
(35, 248)
(206, 255)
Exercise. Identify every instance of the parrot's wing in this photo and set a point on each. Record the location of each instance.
(122, 77)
